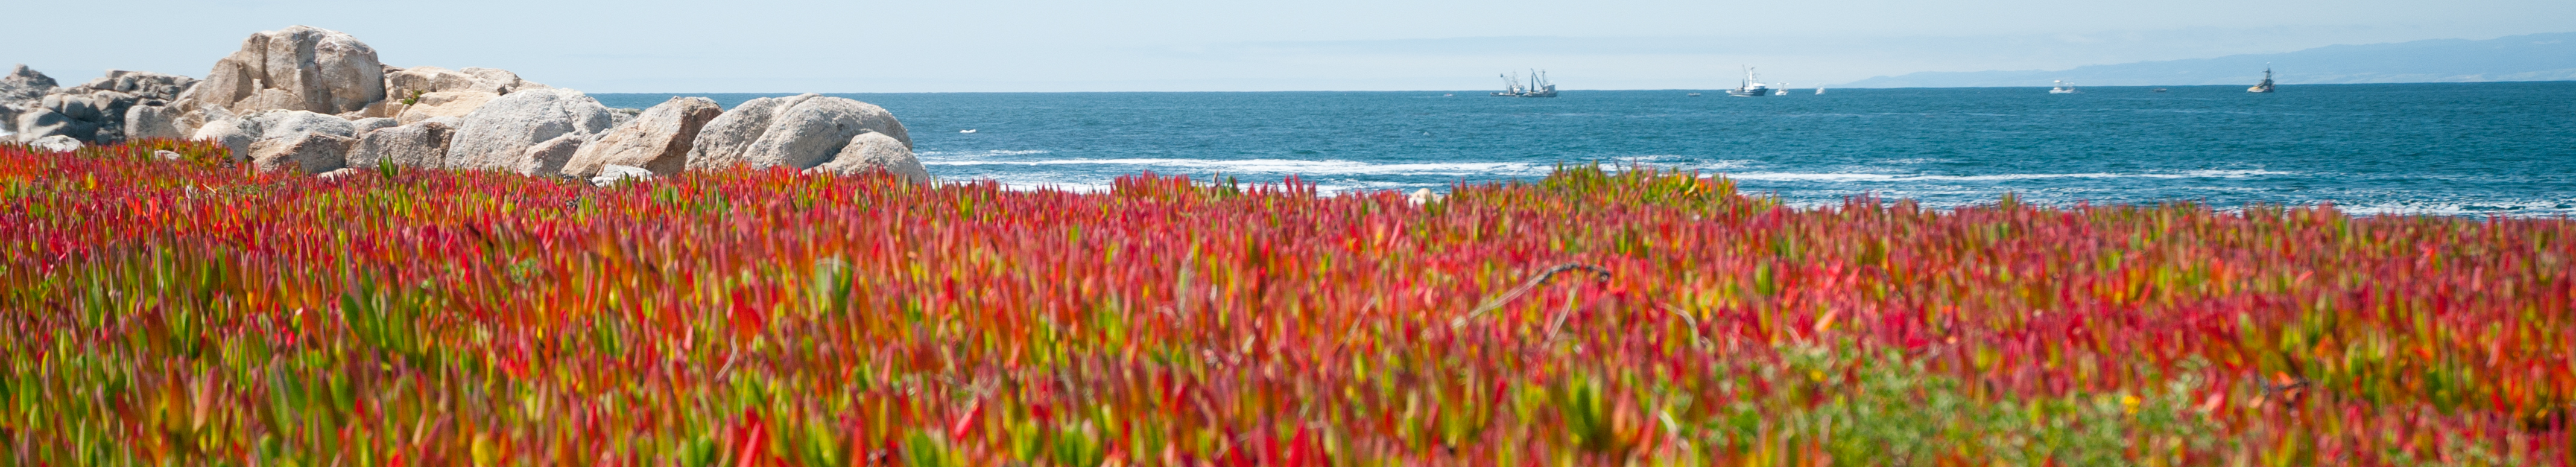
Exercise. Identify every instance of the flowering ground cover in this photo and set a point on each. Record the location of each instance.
(190, 312)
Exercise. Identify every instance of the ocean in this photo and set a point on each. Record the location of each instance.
(2478, 149)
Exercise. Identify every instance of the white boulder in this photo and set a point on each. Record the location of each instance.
(443, 104)
(309, 152)
(365, 125)
(875, 151)
(40, 122)
(422, 145)
(657, 139)
(1423, 196)
(297, 68)
(612, 173)
(151, 121)
(235, 134)
(798, 132)
(282, 124)
(547, 158)
(56, 143)
(498, 135)
(420, 92)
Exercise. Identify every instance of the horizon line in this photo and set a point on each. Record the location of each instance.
(790, 93)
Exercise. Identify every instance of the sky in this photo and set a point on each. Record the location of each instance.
(1211, 45)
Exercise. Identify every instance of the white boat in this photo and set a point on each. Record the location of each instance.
(1692, 94)
(2266, 86)
(1820, 90)
(1749, 88)
(2063, 87)
(966, 131)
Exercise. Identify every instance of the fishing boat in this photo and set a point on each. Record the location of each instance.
(1538, 86)
(2063, 87)
(1749, 88)
(2266, 86)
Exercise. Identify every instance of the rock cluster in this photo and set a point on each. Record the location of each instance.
(318, 101)
(101, 110)
(20, 91)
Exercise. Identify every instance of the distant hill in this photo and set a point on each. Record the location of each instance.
(2532, 57)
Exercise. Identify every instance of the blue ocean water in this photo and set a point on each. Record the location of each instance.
(2454, 149)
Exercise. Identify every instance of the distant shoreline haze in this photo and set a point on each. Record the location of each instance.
(2530, 57)
(2523, 58)
(638, 100)
(2519, 58)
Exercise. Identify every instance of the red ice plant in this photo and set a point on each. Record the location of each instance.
(196, 312)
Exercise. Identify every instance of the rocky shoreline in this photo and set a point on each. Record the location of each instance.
(316, 101)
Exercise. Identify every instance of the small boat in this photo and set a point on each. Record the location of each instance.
(1692, 94)
(2160, 89)
(1538, 86)
(2063, 87)
(2266, 86)
(1448, 95)
(1820, 90)
(1749, 88)
(966, 131)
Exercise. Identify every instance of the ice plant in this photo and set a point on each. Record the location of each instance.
(193, 312)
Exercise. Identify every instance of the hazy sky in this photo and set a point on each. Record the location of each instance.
(1201, 45)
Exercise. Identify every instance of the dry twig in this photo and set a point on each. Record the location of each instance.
(1599, 275)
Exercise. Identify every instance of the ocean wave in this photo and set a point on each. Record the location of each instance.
(1872, 177)
(1671, 161)
(1330, 187)
(2474, 209)
(1354, 186)
(1281, 166)
(978, 154)
(2228, 173)
(2493, 208)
